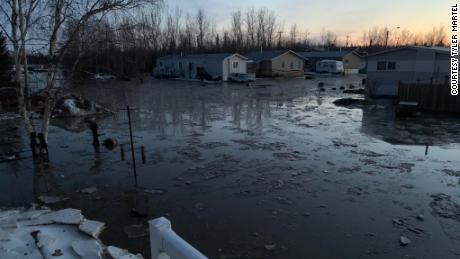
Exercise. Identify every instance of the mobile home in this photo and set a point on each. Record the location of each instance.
(351, 60)
(411, 64)
(279, 63)
(201, 66)
(329, 66)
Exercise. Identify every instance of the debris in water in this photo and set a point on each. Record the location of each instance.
(110, 143)
(136, 214)
(89, 190)
(350, 102)
(404, 241)
(136, 231)
(51, 199)
(445, 207)
(420, 217)
(398, 222)
(270, 246)
(156, 191)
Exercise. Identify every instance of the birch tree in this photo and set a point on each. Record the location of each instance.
(19, 17)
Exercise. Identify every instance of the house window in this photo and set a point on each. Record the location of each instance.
(391, 65)
(282, 65)
(235, 64)
(292, 65)
(381, 65)
(346, 61)
(161, 64)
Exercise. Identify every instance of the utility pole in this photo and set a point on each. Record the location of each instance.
(348, 38)
(279, 39)
(386, 41)
(388, 35)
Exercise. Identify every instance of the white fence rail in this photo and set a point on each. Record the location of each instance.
(166, 244)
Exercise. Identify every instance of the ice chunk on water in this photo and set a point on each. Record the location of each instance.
(91, 227)
(65, 216)
(88, 248)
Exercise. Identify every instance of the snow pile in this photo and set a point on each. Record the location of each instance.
(43, 233)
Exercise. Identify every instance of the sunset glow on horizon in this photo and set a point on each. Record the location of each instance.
(342, 17)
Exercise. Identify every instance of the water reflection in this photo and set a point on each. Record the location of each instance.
(431, 130)
(45, 184)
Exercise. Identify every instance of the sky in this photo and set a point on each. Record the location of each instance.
(344, 17)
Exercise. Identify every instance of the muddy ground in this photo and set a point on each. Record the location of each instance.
(271, 171)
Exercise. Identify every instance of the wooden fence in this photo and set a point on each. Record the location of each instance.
(430, 97)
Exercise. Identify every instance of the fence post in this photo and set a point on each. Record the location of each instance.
(132, 144)
(165, 243)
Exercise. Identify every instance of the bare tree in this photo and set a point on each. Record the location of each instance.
(251, 27)
(237, 30)
(293, 35)
(203, 26)
(270, 28)
(21, 16)
(261, 28)
(328, 38)
(436, 37)
(173, 29)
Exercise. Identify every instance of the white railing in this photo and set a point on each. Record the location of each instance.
(166, 244)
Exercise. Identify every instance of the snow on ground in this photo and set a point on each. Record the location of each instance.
(43, 233)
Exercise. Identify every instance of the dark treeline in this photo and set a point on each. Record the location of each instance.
(126, 46)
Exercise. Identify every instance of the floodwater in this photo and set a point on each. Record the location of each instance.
(271, 171)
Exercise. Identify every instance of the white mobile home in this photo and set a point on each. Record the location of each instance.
(411, 64)
(201, 66)
(352, 61)
(329, 66)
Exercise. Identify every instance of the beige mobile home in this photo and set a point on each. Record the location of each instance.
(279, 63)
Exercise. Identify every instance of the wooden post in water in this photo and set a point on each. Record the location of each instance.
(132, 144)
(143, 154)
(33, 144)
(122, 152)
(93, 126)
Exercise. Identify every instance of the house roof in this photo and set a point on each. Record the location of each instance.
(216, 56)
(442, 50)
(326, 54)
(258, 56)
